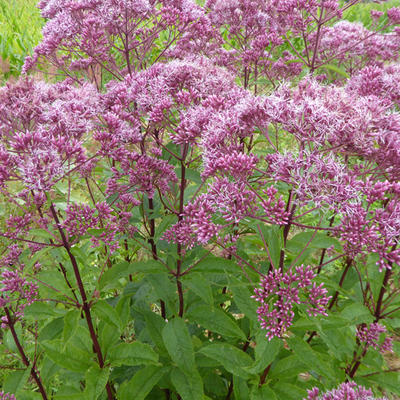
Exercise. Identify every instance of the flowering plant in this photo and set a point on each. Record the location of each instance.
(204, 203)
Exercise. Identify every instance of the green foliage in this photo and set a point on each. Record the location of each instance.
(20, 32)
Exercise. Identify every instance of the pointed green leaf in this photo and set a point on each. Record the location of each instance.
(110, 277)
(141, 384)
(200, 286)
(189, 386)
(179, 344)
(262, 393)
(265, 353)
(230, 357)
(15, 381)
(135, 353)
(105, 312)
(96, 379)
(215, 320)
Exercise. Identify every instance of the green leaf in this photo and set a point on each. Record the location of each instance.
(135, 353)
(320, 241)
(230, 357)
(311, 358)
(71, 321)
(336, 69)
(288, 367)
(265, 353)
(272, 235)
(215, 265)
(357, 313)
(110, 278)
(200, 286)
(108, 337)
(242, 298)
(105, 312)
(390, 381)
(262, 393)
(155, 325)
(215, 320)
(288, 391)
(40, 310)
(179, 344)
(42, 233)
(163, 287)
(123, 310)
(15, 381)
(141, 384)
(189, 386)
(240, 388)
(96, 379)
(74, 360)
(52, 330)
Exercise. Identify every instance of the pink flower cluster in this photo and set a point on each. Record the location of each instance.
(7, 396)
(346, 391)
(370, 335)
(354, 46)
(80, 218)
(279, 293)
(16, 291)
(42, 131)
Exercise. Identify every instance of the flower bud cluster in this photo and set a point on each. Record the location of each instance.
(280, 292)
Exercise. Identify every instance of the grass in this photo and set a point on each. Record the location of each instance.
(361, 12)
(20, 32)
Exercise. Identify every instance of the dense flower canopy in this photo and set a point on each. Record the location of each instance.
(265, 134)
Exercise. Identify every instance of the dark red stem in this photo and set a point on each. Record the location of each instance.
(85, 304)
(25, 360)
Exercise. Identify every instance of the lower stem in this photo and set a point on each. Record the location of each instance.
(25, 360)
(264, 375)
(85, 304)
(180, 295)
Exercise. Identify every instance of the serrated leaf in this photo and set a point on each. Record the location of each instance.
(189, 386)
(42, 233)
(215, 320)
(240, 388)
(200, 286)
(141, 384)
(262, 393)
(135, 353)
(215, 265)
(179, 344)
(311, 358)
(75, 360)
(52, 330)
(242, 298)
(123, 270)
(40, 310)
(265, 353)
(15, 381)
(230, 357)
(272, 236)
(285, 390)
(96, 379)
(71, 321)
(105, 312)
(357, 313)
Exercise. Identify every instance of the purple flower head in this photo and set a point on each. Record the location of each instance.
(7, 396)
(346, 391)
(80, 218)
(279, 293)
(371, 335)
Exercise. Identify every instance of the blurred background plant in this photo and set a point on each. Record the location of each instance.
(20, 32)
